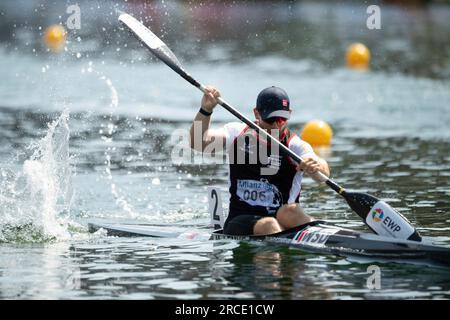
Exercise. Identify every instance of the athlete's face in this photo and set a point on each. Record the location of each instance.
(272, 125)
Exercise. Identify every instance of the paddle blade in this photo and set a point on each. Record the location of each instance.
(148, 38)
(156, 46)
(381, 217)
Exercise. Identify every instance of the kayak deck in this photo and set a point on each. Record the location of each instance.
(136, 230)
(316, 237)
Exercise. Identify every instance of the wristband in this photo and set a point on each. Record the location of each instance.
(204, 112)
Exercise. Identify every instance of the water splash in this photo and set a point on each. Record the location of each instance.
(121, 200)
(32, 200)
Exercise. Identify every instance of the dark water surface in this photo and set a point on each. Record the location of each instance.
(109, 155)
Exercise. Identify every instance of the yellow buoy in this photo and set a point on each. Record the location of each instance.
(358, 56)
(317, 133)
(55, 37)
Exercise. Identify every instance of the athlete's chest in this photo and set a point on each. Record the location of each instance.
(250, 153)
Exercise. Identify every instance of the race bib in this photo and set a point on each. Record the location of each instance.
(259, 193)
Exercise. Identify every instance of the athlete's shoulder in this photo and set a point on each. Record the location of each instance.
(233, 129)
(296, 141)
(299, 146)
(235, 125)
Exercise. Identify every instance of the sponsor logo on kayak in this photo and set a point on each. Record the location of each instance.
(377, 215)
(314, 236)
(391, 224)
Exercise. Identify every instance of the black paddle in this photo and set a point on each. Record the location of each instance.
(378, 215)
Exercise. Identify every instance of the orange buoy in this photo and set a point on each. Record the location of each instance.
(55, 37)
(317, 133)
(358, 57)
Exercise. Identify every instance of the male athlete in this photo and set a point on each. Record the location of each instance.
(265, 184)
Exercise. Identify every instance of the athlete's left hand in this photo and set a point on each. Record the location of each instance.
(309, 165)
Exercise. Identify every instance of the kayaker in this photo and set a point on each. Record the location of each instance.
(265, 184)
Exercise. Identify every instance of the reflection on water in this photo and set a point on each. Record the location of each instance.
(38, 272)
(169, 269)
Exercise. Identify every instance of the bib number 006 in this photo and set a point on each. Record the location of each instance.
(254, 195)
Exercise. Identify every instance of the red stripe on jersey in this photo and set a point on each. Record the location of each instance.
(289, 158)
(240, 134)
(290, 138)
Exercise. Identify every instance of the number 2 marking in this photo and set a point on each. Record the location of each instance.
(215, 215)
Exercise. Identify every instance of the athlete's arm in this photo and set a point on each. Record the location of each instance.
(201, 135)
(312, 165)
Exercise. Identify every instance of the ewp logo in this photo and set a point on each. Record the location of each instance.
(377, 215)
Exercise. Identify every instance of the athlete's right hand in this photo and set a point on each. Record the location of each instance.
(209, 100)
